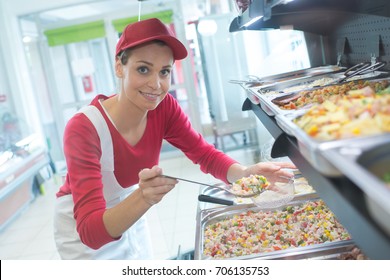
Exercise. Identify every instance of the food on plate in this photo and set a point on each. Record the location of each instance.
(253, 232)
(318, 96)
(250, 185)
(361, 112)
(300, 187)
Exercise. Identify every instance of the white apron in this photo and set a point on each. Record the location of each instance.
(134, 243)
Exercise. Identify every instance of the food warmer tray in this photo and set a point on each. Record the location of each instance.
(326, 250)
(261, 81)
(315, 150)
(310, 81)
(366, 167)
(342, 195)
(256, 82)
(266, 99)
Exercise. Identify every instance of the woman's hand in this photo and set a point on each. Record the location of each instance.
(273, 171)
(153, 186)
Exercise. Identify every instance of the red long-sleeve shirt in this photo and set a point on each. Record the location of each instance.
(83, 151)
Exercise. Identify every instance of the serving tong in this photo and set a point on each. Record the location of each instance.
(221, 186)
(358, 69)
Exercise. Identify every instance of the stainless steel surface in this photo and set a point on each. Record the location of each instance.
(310, 148)
(268, 93)
(267, 105)
(360, 69)
(379, 213)
(315, 151)
(305, 82)
(302, 73)
(285, 122)
(324, 250)
(310, 82)
(366, 170)
(186, 180)
(255, 81)
(345, 199)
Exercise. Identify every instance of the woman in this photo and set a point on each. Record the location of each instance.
(112, 152)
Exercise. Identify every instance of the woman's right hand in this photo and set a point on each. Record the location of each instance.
(153, 186)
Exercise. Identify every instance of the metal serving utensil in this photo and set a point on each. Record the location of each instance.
(359, 69)
(221, 186)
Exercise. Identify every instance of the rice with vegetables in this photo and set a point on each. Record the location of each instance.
(249, 185)
(259, 232)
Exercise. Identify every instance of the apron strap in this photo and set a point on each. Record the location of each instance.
(103, 131)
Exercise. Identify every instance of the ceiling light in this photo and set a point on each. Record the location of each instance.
(207, 27)
(27, 39)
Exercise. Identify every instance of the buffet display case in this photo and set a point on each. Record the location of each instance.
(19, 165)
(346, 199)
(23, 152)
(347, 175)
(293, 231)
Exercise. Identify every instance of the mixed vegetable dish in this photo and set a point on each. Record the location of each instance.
(253, 232)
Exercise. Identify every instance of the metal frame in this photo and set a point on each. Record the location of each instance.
(345, 199)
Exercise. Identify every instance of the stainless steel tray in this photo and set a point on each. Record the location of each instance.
(308, 82)
(268, 106)
(286, 123)
(253, 85)
(265, 98)
(314, 71)
(366, 169)
(324, 250)
(255, 81)
(317, 152)
(305, 83)
(246, 85)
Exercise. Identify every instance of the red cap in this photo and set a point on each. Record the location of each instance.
(148, 30)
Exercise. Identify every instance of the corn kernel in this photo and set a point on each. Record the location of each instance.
(356, 131)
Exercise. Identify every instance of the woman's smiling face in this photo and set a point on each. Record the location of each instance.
(146, 77)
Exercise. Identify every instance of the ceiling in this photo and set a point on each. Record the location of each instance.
(98, 8)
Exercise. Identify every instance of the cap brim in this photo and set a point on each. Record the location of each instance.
(178, 49)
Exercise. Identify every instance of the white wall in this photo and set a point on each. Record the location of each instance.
(22, 7)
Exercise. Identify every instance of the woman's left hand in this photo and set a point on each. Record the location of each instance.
(273, 171)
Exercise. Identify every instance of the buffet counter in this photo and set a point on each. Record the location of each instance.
(344, 198)
(230, 227)
(17, 173)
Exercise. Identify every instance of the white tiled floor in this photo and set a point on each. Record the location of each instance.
(172, 221)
